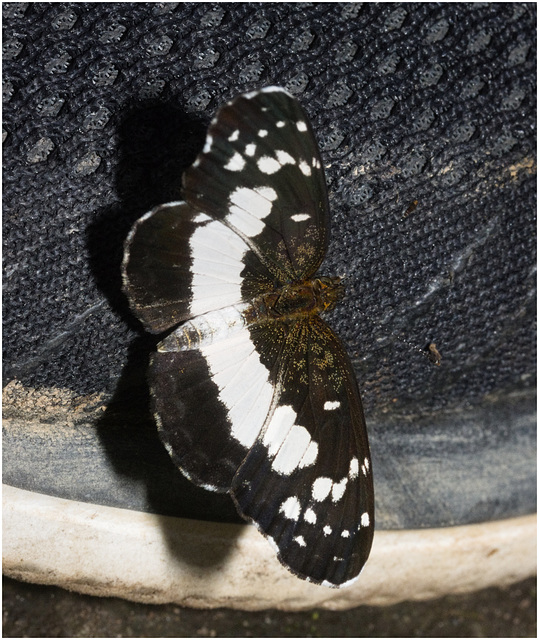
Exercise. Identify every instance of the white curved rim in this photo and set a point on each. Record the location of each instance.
(143, 557)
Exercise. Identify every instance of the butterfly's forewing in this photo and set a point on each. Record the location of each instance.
(180, 263)
(260, 172)
(260, 175)
(307, 482)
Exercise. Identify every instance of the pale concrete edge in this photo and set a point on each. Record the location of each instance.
(106, 551)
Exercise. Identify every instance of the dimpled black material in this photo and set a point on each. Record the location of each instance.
(425, 115)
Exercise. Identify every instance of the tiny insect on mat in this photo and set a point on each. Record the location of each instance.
(252, 392)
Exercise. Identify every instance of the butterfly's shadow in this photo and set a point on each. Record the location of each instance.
(157, 143)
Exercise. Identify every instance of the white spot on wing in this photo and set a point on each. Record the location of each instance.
(292, 442)
(284, 158)
(337, 491)
(304, 168)
(329, 405)
(354, 468)
(262, 133)
(236, 163)
(365, 520)
(249, 207)
(327, 530)
(280, 124)
(268, 165)
(300, 540)
(345, 533)
(207, 144)
(291, 508)
(250, 150)
(270, 89)
(301, 125)
(348, 582)
(278, 428)
(234, 135)
(321, 488)
(310, 516)
(309, 457)
(300, 217)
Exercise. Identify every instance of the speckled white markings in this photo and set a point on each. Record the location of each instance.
(365, 467)
(337, 490)
(236, 163)
(284, 158)
(321, 488)
(310, 516)
(291, 508)
(301, 217)
(268, 165)
(250, 150)
(304, 168)
(291, 444)
(330, 405)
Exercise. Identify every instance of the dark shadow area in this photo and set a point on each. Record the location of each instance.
(157, 142)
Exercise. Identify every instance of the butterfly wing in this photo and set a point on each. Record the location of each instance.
(180, 263)
(269, 220)
(307, 481)
(270, 412)
(210, 404)
(260, 172)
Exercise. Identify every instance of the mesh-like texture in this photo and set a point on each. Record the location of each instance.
(425, 114)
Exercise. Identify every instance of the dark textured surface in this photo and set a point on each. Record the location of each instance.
(425, 114)
(37, 611)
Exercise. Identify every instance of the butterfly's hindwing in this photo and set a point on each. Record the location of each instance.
(307, 482)
(211, 403)
(267, 181)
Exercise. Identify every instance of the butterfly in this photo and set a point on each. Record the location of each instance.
(252, 392)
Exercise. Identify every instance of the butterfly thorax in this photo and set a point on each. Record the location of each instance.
(306, 297)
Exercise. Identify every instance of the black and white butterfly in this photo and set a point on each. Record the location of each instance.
(252, 392)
